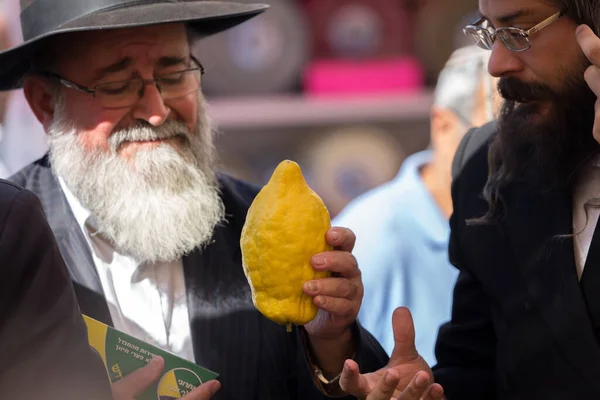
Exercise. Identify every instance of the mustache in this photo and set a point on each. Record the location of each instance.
(144, 131)
(512, 89)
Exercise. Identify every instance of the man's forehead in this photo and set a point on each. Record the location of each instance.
(506, 10)
(107, 50)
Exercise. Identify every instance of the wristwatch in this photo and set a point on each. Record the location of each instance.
(321, 377)
(326, 385)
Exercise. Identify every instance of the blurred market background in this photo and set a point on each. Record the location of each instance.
(343, 87)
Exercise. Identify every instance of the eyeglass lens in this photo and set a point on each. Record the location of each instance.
(127, 93)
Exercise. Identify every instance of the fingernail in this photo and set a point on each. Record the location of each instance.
(421, 380)
(320, 300)
(318, 261)
(346, 365)
(335, 235)
(155, 361)
(312, 286)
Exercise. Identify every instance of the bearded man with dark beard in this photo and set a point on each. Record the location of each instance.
(543, 133)
(149, 230)
(524, 235)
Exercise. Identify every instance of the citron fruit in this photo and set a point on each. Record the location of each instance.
(285, 226)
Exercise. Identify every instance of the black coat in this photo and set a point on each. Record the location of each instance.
(520, 327)
(44, 351)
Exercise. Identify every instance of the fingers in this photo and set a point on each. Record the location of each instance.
(341, 238)
(134, 384)
(332, 287)
(339, 296)
(341, 310)
(589, 43)
(404, 337)
(435, 392)
(204, 391)
(352, 382)
(341, 262)
(386, 386)
(416, 388)
(592, 78)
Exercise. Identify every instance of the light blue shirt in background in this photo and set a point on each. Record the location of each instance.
(402, 250)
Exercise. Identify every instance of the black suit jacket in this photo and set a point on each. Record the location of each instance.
(256, 358)
(519, 327)
(44, 351)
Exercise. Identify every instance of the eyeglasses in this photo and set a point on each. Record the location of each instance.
(515, 39)
(122, 94)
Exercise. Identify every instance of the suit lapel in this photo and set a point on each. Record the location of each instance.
(548, 267)
(73, 247)
(223, 319)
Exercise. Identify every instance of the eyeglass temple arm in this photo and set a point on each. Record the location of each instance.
(75, 86)
(194, 59)
(545, 23)
(477, 22)
(67, 83)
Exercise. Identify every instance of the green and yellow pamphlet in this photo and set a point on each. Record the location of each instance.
(123, 354)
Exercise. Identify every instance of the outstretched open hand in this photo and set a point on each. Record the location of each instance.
(406, 376)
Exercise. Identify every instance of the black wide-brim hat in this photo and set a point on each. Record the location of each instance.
(42, 19)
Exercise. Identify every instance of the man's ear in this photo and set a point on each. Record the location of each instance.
(443, 124)
(40, 96)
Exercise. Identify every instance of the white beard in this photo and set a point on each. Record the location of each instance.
(157, 207)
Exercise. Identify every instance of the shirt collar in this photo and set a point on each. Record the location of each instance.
(83, 216)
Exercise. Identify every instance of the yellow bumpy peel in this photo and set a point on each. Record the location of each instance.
(285, 227)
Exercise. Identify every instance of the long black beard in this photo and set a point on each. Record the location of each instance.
(546, 150)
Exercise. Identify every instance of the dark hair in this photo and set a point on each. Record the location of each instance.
(581, 12)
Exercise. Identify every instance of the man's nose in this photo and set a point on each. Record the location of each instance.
(503, 62)
(151, 107)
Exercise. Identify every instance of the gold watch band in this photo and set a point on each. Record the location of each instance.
(321, 377)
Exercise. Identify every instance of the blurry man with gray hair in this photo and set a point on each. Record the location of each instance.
(402, 228)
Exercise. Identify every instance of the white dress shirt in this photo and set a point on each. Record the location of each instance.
(147, 301)
(584, 225)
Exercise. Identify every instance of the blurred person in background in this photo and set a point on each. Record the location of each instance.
(402, 228)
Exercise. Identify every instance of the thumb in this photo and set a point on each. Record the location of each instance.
(404, 337)
(204, 391)
(138, 381)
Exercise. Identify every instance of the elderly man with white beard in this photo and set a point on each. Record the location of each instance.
(148, 229)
